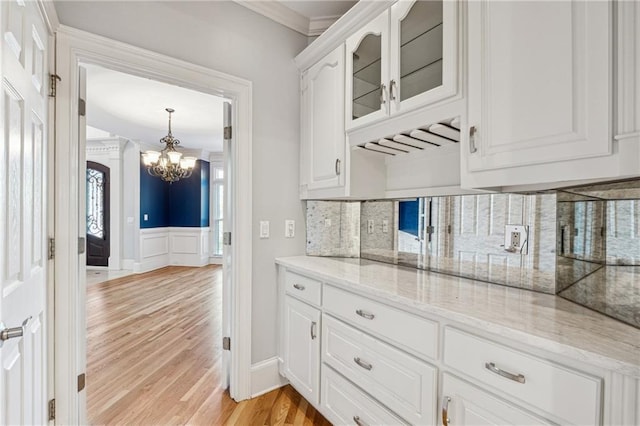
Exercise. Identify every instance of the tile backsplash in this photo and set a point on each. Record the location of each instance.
(581, 243)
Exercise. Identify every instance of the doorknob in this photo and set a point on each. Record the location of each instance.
(10, 333)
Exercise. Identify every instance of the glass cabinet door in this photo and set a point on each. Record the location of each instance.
(367, 71)
(423, 52)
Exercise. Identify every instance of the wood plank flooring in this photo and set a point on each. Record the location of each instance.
(154, 356)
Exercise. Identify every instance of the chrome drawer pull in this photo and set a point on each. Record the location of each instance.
(515, 377)
(359, 422)
(299, 287)
(362, 364)
(445, 411)
(365, 314)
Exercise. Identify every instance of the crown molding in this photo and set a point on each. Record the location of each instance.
(361, 13)
(319, 25)
(279, 13)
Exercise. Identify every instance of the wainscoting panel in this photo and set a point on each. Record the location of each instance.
(160, 247)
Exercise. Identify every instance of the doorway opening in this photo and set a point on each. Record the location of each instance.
(166, 237)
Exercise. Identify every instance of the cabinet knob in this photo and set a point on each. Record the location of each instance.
(515, 377)
(392, 95)
(314, 334)
(383, 92)
(358, 421)
(472, 139)
(362, 364)
(337, 167)
(299, 287)
(365, 314)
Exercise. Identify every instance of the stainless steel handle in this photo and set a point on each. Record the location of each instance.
(337, 167)
(365, 314)
(391, 94)
(362, 364)
(299, 287)
(515, 377)
(359, 421)
(13, 332)
(472, 139)
(383, 91)
(313, 330)
(445, 411)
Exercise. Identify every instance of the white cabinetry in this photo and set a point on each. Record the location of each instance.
(404, 59)
(301, 329)
(628, 73)
(540, 87)
(323, 136)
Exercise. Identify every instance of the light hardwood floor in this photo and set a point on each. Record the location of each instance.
(153, 356)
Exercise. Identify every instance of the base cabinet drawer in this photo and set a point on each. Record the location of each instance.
(302, 287)
(345, 404)
(405, 384)
(465, 404)
(411, 331)
(568, 396)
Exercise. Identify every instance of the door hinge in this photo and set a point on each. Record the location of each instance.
(81, 382)
(226, 238)
(227, 132)
(82, 107)
(430, 230)
(52, 409)
(53, 84)
(226, 343)
(52, 248)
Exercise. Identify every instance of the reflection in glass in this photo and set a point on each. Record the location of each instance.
(367, 76)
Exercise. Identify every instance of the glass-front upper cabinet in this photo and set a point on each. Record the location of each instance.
(404, 59)
(368, 72)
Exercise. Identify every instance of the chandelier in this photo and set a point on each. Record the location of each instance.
(168, 164)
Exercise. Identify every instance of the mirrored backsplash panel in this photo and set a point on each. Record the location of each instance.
(582, 244)
(599, 248)
(465, 236)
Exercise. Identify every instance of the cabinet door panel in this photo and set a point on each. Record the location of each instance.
(302, 348)
(367, 73)
(423, 53)
(539, 82)
(324, 108)
(469, 405)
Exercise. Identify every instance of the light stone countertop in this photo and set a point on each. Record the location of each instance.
(540, 320)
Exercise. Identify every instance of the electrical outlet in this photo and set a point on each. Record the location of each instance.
(289, 228)
(515, 238)
(385, 226)
(370, 226)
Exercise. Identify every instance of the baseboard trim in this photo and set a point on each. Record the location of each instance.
(150, 264)
(265, 377)
(127, 264)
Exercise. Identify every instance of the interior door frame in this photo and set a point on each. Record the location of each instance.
(76, 46)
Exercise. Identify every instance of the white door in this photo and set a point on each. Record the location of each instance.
(323, 94)
(23, 261)
(302, 348)
(226, 250)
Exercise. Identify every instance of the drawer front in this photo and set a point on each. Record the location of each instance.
(304, 288)
(345, 404)
(405, 329)
(405, 384)
(567, 395)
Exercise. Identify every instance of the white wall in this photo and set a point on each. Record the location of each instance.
(230, 38)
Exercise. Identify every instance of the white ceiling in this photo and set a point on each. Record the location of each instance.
(134, 108)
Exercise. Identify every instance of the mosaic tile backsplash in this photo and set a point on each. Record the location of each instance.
(581, 243)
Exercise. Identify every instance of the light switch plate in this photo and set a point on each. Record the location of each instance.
(370, 226)
(146, 217)
(264, 229)
(385, 226)
(289, 228)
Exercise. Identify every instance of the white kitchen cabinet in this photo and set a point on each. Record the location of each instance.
(323, 136)
(464, 404)
(540, 92)
(627, 44)
(404, 59)
(301, 340)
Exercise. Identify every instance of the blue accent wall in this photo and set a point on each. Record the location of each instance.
(408, 217)
(181, 204)
(154, 198)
